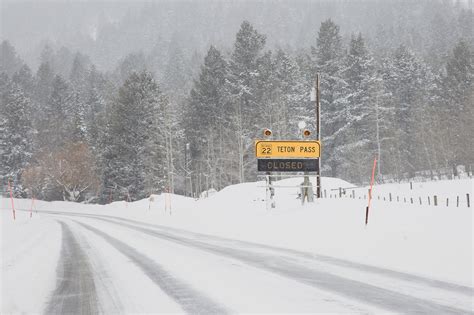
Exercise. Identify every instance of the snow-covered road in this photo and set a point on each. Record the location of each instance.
(75, 290)
(110, 264)
(229, 254)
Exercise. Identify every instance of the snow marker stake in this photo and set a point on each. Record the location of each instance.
(127, 199)
(11, 198)
(167, 200)
(370, 193)
(32, 204)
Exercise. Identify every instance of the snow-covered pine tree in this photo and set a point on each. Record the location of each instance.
(290, 97)
(63, 61)
(94, 118)
(47, 56)
(9, 60)
(457, 106)
(265, 92)
(133, 153)
(176, 73)
(207, 118)
(53, 127)
(24, 78)
(408, 80)
(327, 58)
(96, 99)
(363, 113)
(79, 74)
(76, 113)
(43, 85)
(16, 134)
(243, 79)
(133, 62)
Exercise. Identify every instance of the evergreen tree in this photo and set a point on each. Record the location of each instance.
(47, 55)
(16, 135)
(135, 62)
(408, 81)
(24, 78)
(457, 105)
(175, 75)
(290, 100)
(134, 149)
(243, 86)
(79, 72)
(54, 129)
(43, 84)
(364, 115)
(207, 116)
(9, 60)
(63, 61)
(328, 58)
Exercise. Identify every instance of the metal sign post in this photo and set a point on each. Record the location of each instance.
(293, 156)
(298, 156)
(318, 136)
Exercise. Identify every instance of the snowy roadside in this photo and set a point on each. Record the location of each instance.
(29, 254)
(435, 242)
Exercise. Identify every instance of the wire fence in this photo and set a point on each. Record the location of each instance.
(459, 200)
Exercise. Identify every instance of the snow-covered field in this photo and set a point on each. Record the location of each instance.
(426, 241)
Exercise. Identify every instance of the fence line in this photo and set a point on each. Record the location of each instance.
(461, 201)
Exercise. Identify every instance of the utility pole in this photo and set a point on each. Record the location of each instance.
(318, 135)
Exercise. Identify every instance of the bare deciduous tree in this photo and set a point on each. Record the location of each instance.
(69, 169)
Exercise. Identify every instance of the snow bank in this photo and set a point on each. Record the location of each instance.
(436, 242)
(30, 249)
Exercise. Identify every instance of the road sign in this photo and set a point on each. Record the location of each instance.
(287, 165)
(287, 149)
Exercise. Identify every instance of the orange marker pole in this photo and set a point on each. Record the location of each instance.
(32, 204)
(370, 193)
(11, 198)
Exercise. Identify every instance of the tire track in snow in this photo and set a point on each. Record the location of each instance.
(383, 298)
(465, 290)
(190, 300)
(75, 291)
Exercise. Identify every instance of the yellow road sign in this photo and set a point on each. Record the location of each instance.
(287, 149)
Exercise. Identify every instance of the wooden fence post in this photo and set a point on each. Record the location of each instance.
(420, 201)
(457, 201)
(435, 200)
(468, 203)
(447, 202)
(390, 197)
(429, 203)
(411, 200)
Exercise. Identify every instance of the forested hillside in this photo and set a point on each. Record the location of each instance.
(98, 122)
